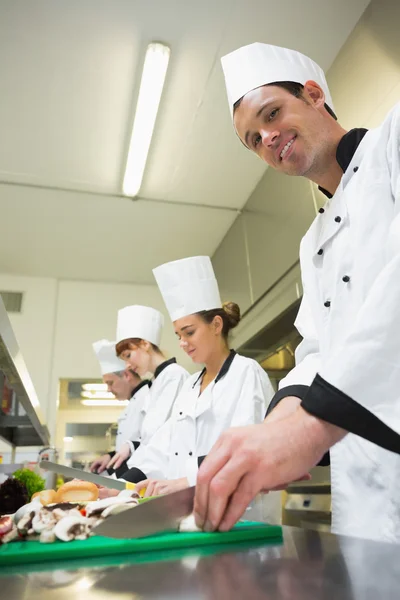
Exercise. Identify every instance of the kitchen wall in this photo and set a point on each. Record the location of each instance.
(60, 320)
(264, 241)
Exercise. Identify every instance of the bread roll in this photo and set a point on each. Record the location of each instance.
(77, 491)
(47, 497)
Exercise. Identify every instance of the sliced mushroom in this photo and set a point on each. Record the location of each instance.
(96, 508)
(25, 524)
(47, 536)
(71, 528)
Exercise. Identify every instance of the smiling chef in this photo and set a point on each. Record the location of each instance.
(344, 392)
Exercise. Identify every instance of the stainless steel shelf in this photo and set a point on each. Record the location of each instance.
(25, 426)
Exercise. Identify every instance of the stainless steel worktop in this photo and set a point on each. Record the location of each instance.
(308, 565)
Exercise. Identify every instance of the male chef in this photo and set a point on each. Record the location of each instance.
(125, 384)
(344, 393)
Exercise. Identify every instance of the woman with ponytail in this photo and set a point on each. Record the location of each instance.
(231, 390)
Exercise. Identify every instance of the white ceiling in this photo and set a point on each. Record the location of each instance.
(69, 79)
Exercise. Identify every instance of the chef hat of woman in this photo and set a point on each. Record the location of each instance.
(139, 322)
(188, 286)
(257, 64)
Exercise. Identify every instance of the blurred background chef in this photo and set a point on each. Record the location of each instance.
(124, 384)
(139, 330)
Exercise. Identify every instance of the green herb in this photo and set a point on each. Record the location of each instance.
(33, 482)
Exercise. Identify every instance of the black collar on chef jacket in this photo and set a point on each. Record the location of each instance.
(163, 366)
(139, 387)
(346, 150)
(223, 370)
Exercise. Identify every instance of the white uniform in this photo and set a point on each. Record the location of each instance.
(156, 410)
(350, 321)
(238, 396)
(131, 420)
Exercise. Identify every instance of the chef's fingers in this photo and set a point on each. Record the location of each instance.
(239, 501)
(118, 462)
(150, 488)
(209, 467)
(141, 485)
(112, 461)
(222, 487)
(218, 481)
(94, 466)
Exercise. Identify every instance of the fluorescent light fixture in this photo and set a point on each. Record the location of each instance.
(68, 438)
(105, 402)
(98, 395)
(151, 87)
(94, 387)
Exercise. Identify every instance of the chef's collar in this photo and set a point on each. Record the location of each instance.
(163, 366)
(223, 370)
(139, 387)
(346, 150)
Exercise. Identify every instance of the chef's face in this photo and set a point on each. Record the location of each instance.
(286, 132)
(137, 358)
(117, 384)
(197, 338)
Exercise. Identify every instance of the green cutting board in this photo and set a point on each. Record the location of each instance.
(19, 553)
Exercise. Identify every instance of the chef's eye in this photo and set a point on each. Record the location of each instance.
(273, 114)
(189, 333)
(256, 140)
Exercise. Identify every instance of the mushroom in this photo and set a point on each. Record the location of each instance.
(47, 536)
(26, 508)
(43, 520)
(25, 524)
(72, 528)
(114, 509)
(96, 508)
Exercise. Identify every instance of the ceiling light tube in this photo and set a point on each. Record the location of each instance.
(151, 87)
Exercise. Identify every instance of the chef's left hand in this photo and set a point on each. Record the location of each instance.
(159, 487)
(247, 460)
(120, 456)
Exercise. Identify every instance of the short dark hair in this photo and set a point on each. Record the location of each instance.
(296, 89)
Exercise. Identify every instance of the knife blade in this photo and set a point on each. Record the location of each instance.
(107, 482)
(154, 516)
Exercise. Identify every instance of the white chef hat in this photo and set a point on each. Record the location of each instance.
(258, 64)
(188, 286)
(108, 360)
(141, 322)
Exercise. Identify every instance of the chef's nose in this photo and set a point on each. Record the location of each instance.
(268, 137)
(183, 343)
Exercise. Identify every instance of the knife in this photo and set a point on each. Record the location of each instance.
(157, 515)
(107, 482)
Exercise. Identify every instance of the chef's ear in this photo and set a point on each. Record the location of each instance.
(218, 325)
(145, 345)
(314, 93)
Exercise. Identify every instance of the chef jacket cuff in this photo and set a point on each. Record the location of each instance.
(112, 453)
(291, 390)
(134, 475)
(328, 403)
(191, 470)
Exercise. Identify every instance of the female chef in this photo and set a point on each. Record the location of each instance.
(139, 331)
(231, 390)
(125, 384)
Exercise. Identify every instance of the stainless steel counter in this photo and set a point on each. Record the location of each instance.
(308, 565)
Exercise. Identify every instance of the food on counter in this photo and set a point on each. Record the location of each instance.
(77, 491)
(6, 525)
(13, 495)
(33, 482)
(64, 521)
(188, 525)
(47, 497)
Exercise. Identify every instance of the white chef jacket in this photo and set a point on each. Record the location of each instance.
(238, 396)
(168, 380)
(350, 320)
(131, 419)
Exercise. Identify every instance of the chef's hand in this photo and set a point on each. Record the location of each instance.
(246, 460)
(100, 464)
(159, 487)
(120, 456)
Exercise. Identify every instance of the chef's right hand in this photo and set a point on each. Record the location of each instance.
(100, 464)
(120, 456)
